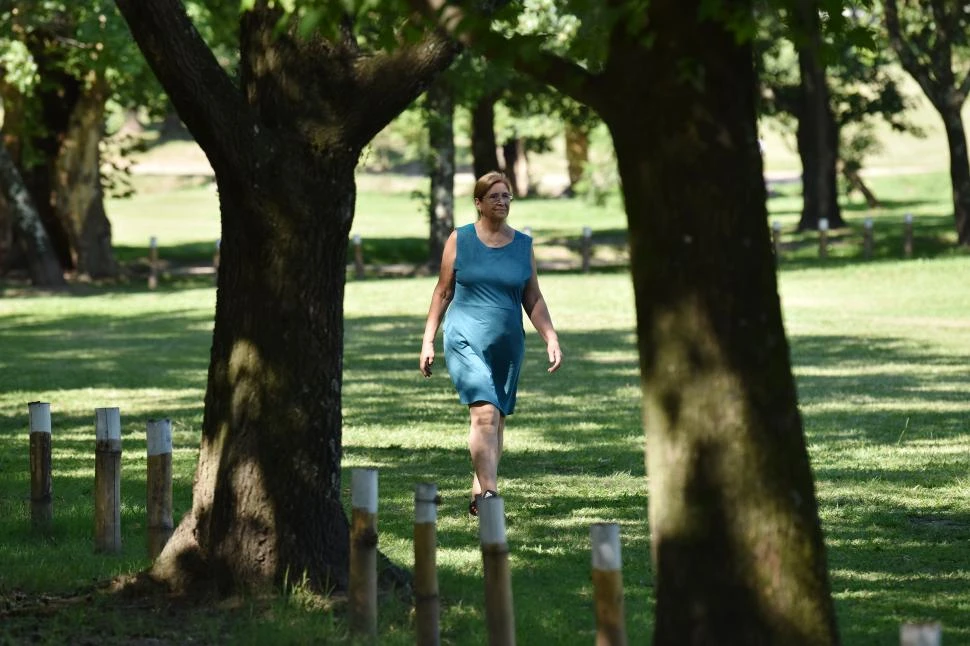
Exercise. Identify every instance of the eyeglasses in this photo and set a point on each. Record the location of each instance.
(495, 198)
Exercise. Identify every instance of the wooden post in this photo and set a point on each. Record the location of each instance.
(159, 479)
(908, 235)
(608, 584)
(867, 241)
(358, 257)
(587, 248)
(776, 240)
(928, 634)
(363, 554)
(823, 237)
(152, 262)
(427, 608)
(107, 480)
(499, 615)
(41, 500)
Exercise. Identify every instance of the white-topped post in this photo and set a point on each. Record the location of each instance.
(608, 584)
(152, 262)
(158, 433)
(776, 239)
(587, 248)
(427, 605)
(823, 237)
(107, 480)
(499, 614)
(924, 634)
(358, 257)
(41, 499)
(363, 553)
(867, 240)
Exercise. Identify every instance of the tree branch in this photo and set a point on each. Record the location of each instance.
(521, 52)
(211, 107)
(906, 56)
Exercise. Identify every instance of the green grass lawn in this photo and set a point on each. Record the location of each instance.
(880, 352)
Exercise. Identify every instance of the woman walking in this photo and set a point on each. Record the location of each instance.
(488, 275)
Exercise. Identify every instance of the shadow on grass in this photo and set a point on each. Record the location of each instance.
(576, 433)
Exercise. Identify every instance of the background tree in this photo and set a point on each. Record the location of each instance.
(737, 546)
(284, 143)
(932, 40)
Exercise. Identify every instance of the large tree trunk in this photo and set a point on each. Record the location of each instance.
(737, 546)
(266, 499)
(441, 141)
(817, 135)
(484, 144)
(959, 170)
(42, 264)
(78, 194)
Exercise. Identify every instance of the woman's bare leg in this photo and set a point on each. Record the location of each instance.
(485, 445)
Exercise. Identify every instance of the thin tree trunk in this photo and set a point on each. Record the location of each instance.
(516, 166)
(737, 546)
(959, 172)
(577, 153)
(856, 183)
(484, 145)
(441, 140)
(42, 264)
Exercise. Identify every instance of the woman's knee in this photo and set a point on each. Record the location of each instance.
(484, 416)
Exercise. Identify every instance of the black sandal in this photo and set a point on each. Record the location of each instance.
(473, 505)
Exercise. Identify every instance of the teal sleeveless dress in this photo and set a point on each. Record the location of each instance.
(483, 335)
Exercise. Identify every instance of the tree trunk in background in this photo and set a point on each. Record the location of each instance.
(78, 194)
(737, 546)
(577, 153)
(42, 264)
(959, 171)
(441, 141)
(817, 136)
(267, 495)
(516, 166)
(930, 62)
(484, 144)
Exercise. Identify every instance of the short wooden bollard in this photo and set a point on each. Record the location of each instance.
(159, 479)
(363, 554)
(608, 584)
(823, 238)
(587, 248)
(499, 615)
(908, 235)
(41, 499)
(776, 239)
(867, 241)
(107, 480)
(427, 609)
(358, 257)
(152, 262)
(928, 634)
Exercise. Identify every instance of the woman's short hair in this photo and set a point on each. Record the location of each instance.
(487, 181)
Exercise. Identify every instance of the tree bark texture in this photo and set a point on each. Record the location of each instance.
(817, 134)
(42, 264)
(736, 540)
(284, 146)
(484, 144)
(928, 58)
(441, 141)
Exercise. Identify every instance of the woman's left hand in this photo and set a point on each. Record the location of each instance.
(555, 355)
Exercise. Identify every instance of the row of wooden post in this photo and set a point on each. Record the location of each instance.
(867, 238)
(585, 249)
(107, 478)
(499, 613)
